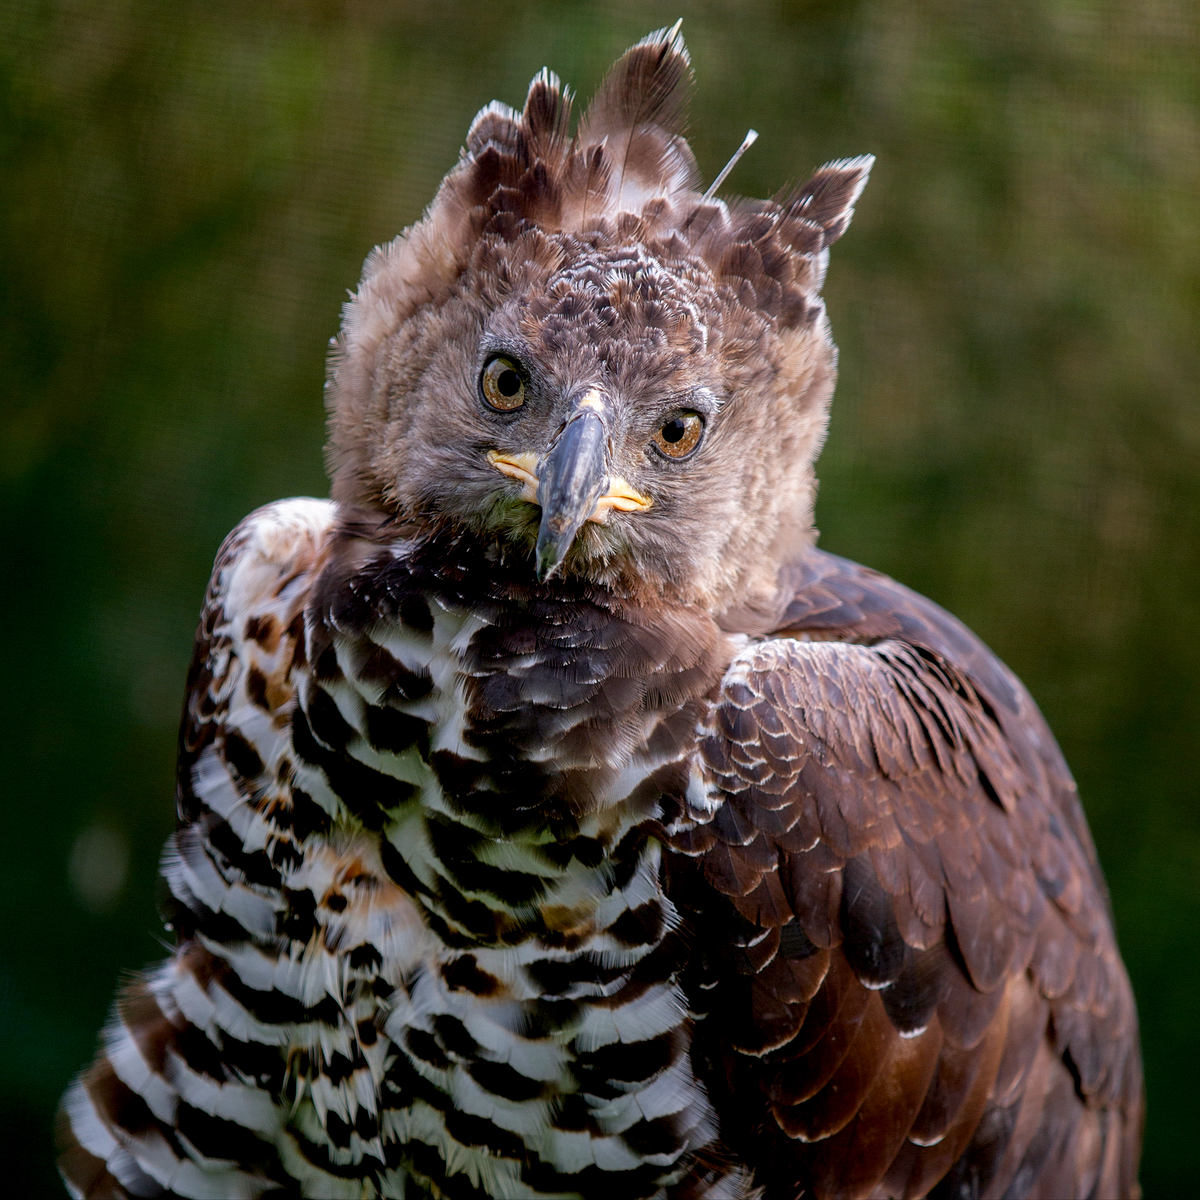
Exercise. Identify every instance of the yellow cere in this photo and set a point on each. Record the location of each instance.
(523, 468)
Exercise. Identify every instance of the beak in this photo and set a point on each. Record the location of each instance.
(573, 478)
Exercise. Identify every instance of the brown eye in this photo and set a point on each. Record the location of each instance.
(680, 436)
(502, 386)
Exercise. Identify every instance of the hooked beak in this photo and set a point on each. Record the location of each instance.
(574, 475)
(571, 482)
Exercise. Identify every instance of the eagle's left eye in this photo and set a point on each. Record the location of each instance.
(679, 436)
(501, 384)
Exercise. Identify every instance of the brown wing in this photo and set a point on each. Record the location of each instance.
(907, 959)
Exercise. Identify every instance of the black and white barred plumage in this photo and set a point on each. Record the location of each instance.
(399, 927)
(554, 819)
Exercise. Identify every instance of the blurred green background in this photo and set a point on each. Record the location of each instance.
(187, 189)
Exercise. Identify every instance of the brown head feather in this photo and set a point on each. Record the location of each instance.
(638, 116)
(596, 261)
(827, 200)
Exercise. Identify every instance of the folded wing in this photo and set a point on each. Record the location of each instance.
(908, 965)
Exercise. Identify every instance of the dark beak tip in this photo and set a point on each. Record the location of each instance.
(547, 564)
(549, 554)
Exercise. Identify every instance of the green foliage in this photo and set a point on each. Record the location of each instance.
(186, 189)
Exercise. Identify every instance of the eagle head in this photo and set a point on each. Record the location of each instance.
(580, 356)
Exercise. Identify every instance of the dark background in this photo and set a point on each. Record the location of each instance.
(187, 188)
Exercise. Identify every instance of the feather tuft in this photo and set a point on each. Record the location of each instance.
(827, 199)
(546, 120)
(640, 110)
(647, 85)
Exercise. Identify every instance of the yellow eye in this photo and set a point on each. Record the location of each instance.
(502, 386)
(680, 436)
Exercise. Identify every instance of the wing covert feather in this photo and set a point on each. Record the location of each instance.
(922, 982)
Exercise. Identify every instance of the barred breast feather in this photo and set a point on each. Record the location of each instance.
(484, 887)
(423, 940)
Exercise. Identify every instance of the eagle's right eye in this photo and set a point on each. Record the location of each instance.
(501, 385)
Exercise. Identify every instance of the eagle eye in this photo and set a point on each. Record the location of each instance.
(501, 385)
(680, 435)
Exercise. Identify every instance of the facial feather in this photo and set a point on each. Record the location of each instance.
(594, 262)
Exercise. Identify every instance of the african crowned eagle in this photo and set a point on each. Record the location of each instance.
(554, 818)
